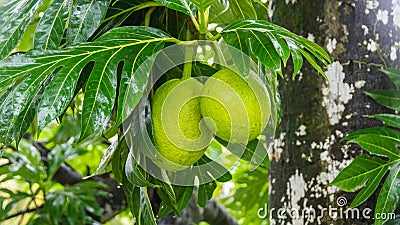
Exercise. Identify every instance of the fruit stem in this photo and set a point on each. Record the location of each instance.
(203, 20)
(148, 16)
(187, 67)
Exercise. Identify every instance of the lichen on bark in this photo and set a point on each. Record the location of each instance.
(317, 157)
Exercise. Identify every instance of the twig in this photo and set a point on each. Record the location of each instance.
(65, 175)
(378, 49)
(215, 213)
(22, 212)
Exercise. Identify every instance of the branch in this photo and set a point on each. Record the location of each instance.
(214, 214)
(65, 175)
(22, 212)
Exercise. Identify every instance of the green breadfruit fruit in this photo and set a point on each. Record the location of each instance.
(238, 110)
(177, 124)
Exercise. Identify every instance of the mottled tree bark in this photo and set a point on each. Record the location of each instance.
(361, 37)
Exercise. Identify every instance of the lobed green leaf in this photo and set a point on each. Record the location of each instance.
(139, 203)
(296, 57)
(51, 27)
(203, 3)
(59, 70)
(120, 11)
(377, 145)
(107, 157)
(242, 61)
(243, 9)
(383, 133)
(214, 170)
(387, 98)
(184, 6)
(167, 195)
(362, 169)
(6, 133)
(391, 120)
(205, 193)
(221, 13)
(136, 174)
(375, 178)
(254, 152)
(16, 15)
(271, 44)
(394, 75)
(183, 195)
(85, 19)
(389, 196)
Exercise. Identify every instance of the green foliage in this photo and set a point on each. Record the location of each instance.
(394, 75)
(366, 172)
(48, 30)
(46, 81)
(227, 11)
(245, 194)
(388, 98)
(243, 9)
(13, 25)
(390, 120)
(71, 205)
(272, 44)
(70, 82)
(203, 3)
(107, 52)
(184, 6)
(53, 203)
(254, 152)
(85, 19)
(139, 203)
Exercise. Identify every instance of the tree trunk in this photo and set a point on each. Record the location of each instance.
(361, 36)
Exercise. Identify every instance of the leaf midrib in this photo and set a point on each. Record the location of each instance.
(370, 171)
(104, 48)
(386, 96)
(97, 89)
(366, 189)
(12, 34)
(82, 21)
(52, 24)
(391, 187)
(382, 148)
(65, 78)
(262, 43)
